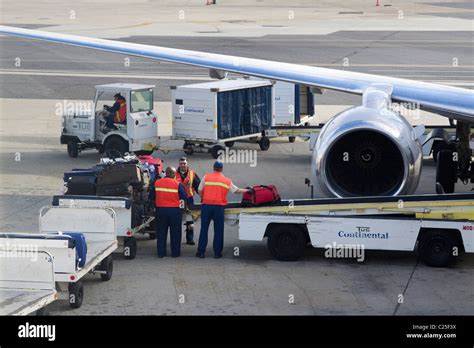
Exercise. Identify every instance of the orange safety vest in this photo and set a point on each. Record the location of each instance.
(121, 113)
(187, 182)
(216, 187)
(166, 192)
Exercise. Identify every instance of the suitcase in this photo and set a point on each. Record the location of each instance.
(261, 195)
(118, 173)
(81, 247)
(120, 189)
(151, 161)
(81, 185)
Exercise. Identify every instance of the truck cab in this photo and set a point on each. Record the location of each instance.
(138, 133)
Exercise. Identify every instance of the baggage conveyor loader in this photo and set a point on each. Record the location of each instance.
(438, 227)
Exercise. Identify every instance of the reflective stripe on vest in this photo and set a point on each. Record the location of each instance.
(187, 182)
(216, 187)
(167, 195)
(121, 113)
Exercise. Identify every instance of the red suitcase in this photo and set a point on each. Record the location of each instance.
(157, 162)
(261, 195)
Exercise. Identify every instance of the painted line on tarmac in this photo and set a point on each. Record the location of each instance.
(124, 76)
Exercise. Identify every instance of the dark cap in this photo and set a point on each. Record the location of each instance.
(218, 165)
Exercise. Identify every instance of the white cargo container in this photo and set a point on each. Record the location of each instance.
(221, 112)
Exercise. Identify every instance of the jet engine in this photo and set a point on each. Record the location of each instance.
(368, 150)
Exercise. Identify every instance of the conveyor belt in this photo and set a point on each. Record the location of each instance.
(446, 207)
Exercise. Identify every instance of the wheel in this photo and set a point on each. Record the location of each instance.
(188, 148)
(291, 139)
(72, 149)
(216, 151)
(229, 143)
(152, 235)
(446, 170)
(76, 294)
(130, 248)
(286, 242)
(107, 265)
(435, 248)
(116, 144)
(264, 143)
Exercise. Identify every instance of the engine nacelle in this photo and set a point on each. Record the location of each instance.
(367, 151)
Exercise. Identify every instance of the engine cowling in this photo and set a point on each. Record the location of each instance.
(367, 151)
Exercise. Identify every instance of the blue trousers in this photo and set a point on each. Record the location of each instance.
(109, 120)
(168, 218)
(215, 213)
(189, 233)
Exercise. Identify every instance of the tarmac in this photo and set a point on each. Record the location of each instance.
(432, 42)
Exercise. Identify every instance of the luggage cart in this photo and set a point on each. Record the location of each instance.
(26, 281)
(99, 228)
(123, 209)
(433, 225)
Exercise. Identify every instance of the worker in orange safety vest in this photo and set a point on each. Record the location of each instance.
(190, 181)
(213, 190)
(169, 200)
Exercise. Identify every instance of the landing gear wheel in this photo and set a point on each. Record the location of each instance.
(286, 243)
(76, 294)
(446, 170)
(436, 248)
(264, 143)
(188, 148)
(116, 145)
(107, 265)
(72, 149)
(130, 248)
(291, 139)
(229, 143)
(215, 151)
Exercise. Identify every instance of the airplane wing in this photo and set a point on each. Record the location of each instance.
(456, 103)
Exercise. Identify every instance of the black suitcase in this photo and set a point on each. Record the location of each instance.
(81, 185)
(118, 173)
(120, 189)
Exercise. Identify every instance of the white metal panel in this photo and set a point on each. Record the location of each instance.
(227, 84)
(123, 215)
(284, 96)
(95, 224)
(196, 117)
(378, 234)
(64, 257)
(22, 270)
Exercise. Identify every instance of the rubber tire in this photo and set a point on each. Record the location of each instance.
(76, 289)
(188, 148)
(131, 243)
(446, 170)
(264, 143)
(229, 143)
(215, 151)
(116, 143)
(152, 235)
(72, 149)
(107, 265)
(291, 139)
(286, 242)
(435, 248)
